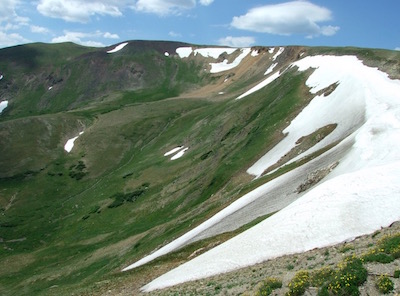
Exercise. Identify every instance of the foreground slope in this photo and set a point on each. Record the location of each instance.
(109, 154)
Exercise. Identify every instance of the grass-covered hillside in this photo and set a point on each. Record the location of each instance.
(71, 220)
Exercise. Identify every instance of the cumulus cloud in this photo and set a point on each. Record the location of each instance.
(80, 38)
(244, 41)
(78, 10)
(296, 17)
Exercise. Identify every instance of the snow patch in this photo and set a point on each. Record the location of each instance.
(1, 77)
(70, 143)
(214, 52)
(279, 52)
(184, 52)
(179, 154)
(260, 85)
(254, 53)
(178, 151)
(50, 87)
(3, 105)
(270, 69)
(166, 54)
(271, 50)
(118, 47)
(173, 150)
(224, 66)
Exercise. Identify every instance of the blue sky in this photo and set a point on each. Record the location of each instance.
(367, 23)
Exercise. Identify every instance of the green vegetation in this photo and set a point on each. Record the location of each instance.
(384, 284)
(268, 286)
(386, 251)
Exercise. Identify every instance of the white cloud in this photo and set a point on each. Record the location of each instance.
(39, 30)
(296, 17)
(79, 10)
(79, 38)
(11, 39)
(244, 41)
(162, 7)
(109, 35)
(397, 48)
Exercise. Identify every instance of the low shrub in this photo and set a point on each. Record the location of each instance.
(299, 283)
(268, 285)
(384, 284)
(396, 274)
(350, 274)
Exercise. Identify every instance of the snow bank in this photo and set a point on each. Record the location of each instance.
(184, 52)
(271, 68)
(118, 47)
(70, 143)
(260, 85)
(338, 210)
(354, 98)
(278, 53)
(3, 105)
(224, 66)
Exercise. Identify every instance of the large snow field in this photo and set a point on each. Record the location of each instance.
(225, 66)
(348, 106)
(338, 210)
(360, 196)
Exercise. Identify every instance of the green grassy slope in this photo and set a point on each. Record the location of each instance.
(70, 220)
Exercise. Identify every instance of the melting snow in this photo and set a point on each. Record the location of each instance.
(3, 105)
(179, 154)
(260, 85)
(184, 52)
(70, 143)
(280, 50)
(270, 69)
(213, 52)
(359, 197)
(254, 53)
(118, 47)
(180, 151)
(224, 66)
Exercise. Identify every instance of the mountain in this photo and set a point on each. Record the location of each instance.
(110, 154)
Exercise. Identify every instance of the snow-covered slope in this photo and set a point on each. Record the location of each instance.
(361, 195)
